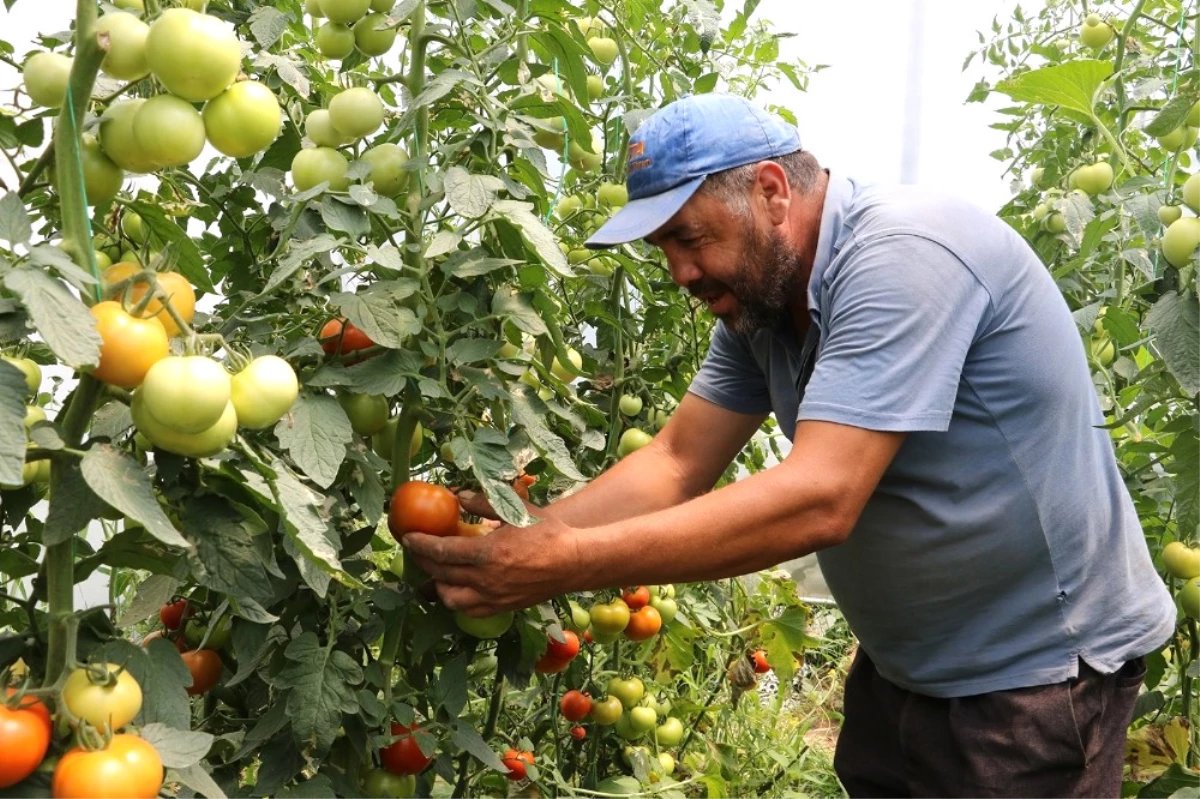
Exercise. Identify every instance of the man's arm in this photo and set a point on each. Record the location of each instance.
(810, 501)
(683, 461)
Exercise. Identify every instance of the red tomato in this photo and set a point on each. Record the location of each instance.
(761, 666)
(419, 507)
(558, 655)
(636, 598)
(206, 667)
(129, 767)
(172, 614)
(575, 705)
(578, 732)
(516, 763)
(521, 485)
(24, 738)
(339, 337)
(404, 756)
(643, 625)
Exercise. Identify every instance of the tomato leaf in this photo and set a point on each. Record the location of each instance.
(152, 593)
(378, 311)
(14, 221)
(320, 679)
(316, 433)
(12, 423)
(1071, 86)
(199, 780)
(298, 253)
(518, 309)
(474, 263)
(470, 195)
(548, 443)
(306, 529)
(267, 24)
(177, 748)
(1171, 115)
(468, 739)
(163, 676)
(61, 319)
(344, 217)
(539, 237)
(1175, 321)
(227, 558)
(120, 482)
(181, 251)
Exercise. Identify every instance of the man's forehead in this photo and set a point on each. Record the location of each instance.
(688, 220)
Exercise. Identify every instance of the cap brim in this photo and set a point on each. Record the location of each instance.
(639, 218)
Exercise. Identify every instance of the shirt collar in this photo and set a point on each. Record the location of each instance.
(839, 195)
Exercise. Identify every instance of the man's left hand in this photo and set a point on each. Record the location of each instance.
(510, 569)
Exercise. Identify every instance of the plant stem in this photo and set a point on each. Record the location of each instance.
(43, 161)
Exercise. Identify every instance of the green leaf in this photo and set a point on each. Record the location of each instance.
(298, 253)
(181, 251)
(59, 261)
(1171, 115)
(1175, 321)
(472, 350)
(539, 237)
(303, 523)
(546, 440)
(442, 243)
(120, 482)
(267, 24)
(470, 195)
(782, 636)
(227, 558)
(316, 434)
(12, 423)
(177, 748)
(468, 739)
(1185, 462)
(60, 318)
(320, 679)
(473, 263)
(492, 464)
(1175, 781)
(77, 503)
(343, 216)
(14, 222)
(164, 678)
(442, 84)
(379, 312)
(199, 780)
(152, 593)
(518, 309)
(1072, 86)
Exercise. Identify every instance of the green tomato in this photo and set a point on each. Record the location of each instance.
(169, 131)
(195, 56)
(31, 371)
(1095, 32)
(632, 440)
(581, 159)
(316, 165)
(263, 392)
(612, 195)
(244, 119)
(1193, 116)
(567, 206)
(626, 729)
(335, 40)
(187, 394)
(356, 112)
(387, 175)
(485, 627)
(368, 413)
(666, 607)
(1189, 598)
(1169, 213)
(1094, 178)
(396, 565)
(1181, 560)
(580, 618)
(346, 12)
(199, 445)
(630, 404)
(1191, 193)
(381, 784)
(604, 49)
(128, 39)
(609, 618)
(382, 6)
(132, 6)
(667, 763)
(669, 733)
(321, 131)
(33, 415)
(45, 77)
(643, 719)
(595, 87)
(1180, 241)
(219, 638)
(117, 139)
(373, 36)
(561, 372)
(102, 178)
(313, 9)
(606, 712)
(382, 441)
(1055, 223)
(629, 691)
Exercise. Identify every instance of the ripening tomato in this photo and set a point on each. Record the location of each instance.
(206, 443)
(263, 392)
(606, 712)
(761, 666)
(107, 703)
(29, 368)
(195, 56)
(643, 625)
(205, 667)
(419, 507)
(558, 654)
(521, 485)
(339, 337)
(187, 393)
(24, 738)
(173, 614)
(129, 346)
(315, 165)
(404, 755)
(578, 732)
(575, 705)
(169, 131)
(669, 733)
(516, 761)
(637, 597)
(129, 767)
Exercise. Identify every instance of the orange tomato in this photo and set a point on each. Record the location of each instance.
(643, 624)
(129, 346)
(24, 738)
(180, 293)
(206, 667)
(129, 767)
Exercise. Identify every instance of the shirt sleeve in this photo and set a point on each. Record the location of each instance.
(730, 376)
(901, 314)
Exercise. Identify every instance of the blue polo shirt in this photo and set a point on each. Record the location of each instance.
(1001, 543)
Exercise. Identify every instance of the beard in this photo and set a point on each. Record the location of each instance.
(765, 284)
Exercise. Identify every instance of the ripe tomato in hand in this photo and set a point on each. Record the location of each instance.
(521, 485)
(575, 705)
(636, 597)
(340, 337)
(761, 666)
(404, 756)
(24, 738)
(172, 614)
(419, 507)
(205, 667)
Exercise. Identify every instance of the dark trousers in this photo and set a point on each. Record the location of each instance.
(1060, 740)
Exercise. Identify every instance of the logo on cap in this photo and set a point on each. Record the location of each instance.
(636, 150)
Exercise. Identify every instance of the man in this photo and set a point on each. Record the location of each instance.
(948, 465)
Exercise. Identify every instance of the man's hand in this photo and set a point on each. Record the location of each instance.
(511, 569)
(476, 503)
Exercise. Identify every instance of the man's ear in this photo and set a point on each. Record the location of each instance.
(771, 189)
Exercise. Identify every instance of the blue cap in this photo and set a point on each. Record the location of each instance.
(680, 145)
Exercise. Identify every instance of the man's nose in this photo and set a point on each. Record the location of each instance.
(684, 271)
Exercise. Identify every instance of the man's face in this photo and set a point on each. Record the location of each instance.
(741, 266)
